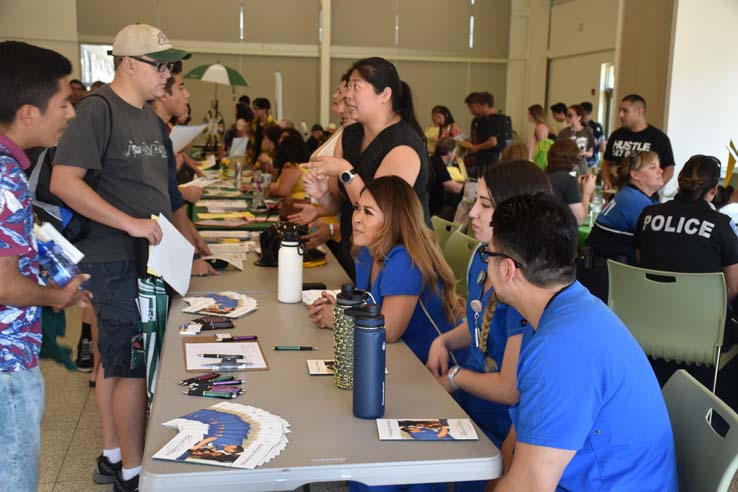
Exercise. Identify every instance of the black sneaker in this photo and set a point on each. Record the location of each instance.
(121, 485)
(105, 471)
(84, 360)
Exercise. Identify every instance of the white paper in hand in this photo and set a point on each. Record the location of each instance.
(182, 135)
(172, 257)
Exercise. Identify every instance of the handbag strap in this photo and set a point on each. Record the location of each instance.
(438, 330)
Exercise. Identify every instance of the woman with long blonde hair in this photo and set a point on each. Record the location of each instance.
(542, 130)
(398, 260)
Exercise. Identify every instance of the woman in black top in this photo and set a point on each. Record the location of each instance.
(386, 140)
(563, 157)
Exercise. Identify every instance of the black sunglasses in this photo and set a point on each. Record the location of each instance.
(485, 254)
(160, 66)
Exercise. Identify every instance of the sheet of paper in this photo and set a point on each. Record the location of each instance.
(207, 163)
(310, 296)
(223, 223)
(238, 146)
(172, 257)
(223, 204)
(246, 235)
(250, 352)
(182, 135)
(201, 182)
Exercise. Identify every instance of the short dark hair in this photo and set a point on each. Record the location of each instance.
(563, 154)
(30, 75)
(484, 98)
(471, 98)
(635, 99)
(558, 108)
(78, 82)
(291, 149)
(176, 70)
(245, 100)
(262, 103)
(317, 128)
(541, 232)
(586, 106)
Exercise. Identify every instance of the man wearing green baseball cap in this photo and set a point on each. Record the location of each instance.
(111, 168)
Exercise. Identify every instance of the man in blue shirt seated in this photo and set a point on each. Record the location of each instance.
(590, 415)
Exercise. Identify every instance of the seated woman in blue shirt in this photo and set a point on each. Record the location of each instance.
(492, 332)
(398, 260)
(639, 178)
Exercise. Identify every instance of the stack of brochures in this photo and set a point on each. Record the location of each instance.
(426, 430)
(226, 434)
(229, 304)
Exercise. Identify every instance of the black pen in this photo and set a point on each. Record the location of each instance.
(294, 347)
(221, 356)
(238, 339)
(203, 378)
(210, 394)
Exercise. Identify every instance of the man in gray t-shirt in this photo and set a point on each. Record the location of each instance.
(111, 167)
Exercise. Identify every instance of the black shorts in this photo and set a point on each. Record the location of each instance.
(114, 286)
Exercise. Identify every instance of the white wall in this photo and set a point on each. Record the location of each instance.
(52, 25)
(583, 36)
(702, 99)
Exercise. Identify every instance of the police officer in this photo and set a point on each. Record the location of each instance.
(687, 234)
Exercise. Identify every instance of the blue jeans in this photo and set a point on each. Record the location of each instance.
(21, 410)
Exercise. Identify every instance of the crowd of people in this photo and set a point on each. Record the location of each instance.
(530, 350)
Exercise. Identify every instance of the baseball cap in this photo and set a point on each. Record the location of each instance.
(143, 39)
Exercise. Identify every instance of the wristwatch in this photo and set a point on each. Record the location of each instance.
(452, 377)
(346, 177)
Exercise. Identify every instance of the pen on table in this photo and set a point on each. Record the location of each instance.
(238, 339)
(229, 382)
(210, 394)
(221, 356)
(220, 379)
(294, 347)
(203, 377)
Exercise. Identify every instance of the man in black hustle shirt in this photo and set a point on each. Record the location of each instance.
(635, 135)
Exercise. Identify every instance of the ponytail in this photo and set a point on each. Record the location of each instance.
(404, 107)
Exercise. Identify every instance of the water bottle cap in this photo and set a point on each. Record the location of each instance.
(350, 296)
(367, 316)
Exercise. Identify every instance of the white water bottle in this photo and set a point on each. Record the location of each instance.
(289, 266)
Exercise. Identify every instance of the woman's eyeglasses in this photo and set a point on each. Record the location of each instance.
(161, 67)
(485, 254)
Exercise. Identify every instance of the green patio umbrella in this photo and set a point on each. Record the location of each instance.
(219, 75)
(153, 304)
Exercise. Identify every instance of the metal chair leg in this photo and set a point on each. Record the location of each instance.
(717, 368)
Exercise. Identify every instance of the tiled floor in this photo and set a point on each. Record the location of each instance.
(71, 430)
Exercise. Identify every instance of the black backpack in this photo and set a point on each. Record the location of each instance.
(271, 238)
(49, 207)
(505, 137)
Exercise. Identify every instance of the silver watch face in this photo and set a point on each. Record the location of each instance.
(346, 177)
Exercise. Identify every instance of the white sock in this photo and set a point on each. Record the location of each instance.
(113, 455)
(129, 473)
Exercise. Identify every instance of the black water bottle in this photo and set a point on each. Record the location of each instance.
(369, 362)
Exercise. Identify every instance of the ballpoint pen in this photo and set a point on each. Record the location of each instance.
(211, 384)
(221, 356)
(210, 394)
(294, 347)
(238, 339)
(203, 377)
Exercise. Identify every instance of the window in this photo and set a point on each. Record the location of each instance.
(607, 88)
(96, 63)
